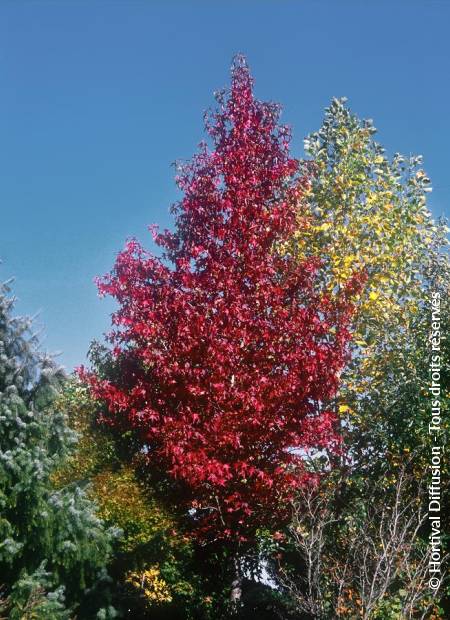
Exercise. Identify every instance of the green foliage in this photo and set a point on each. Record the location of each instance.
(158, 569)
(32, 598)
(39, 524)
(366, 212)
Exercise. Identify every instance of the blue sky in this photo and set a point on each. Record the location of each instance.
(98, 98)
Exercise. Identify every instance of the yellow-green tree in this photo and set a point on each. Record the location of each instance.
(366, 212)
(153, 563)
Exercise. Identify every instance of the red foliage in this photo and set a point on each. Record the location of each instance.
(226, 358)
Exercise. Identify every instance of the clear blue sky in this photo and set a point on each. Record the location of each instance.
(98, 98)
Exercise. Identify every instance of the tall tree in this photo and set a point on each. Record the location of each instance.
(224, 360)
(53, 548)
(366, 211)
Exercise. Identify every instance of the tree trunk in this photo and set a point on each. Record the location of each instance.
(236, 585)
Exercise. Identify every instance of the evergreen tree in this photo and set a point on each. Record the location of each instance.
(53, 548)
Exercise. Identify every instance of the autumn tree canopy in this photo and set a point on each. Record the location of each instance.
(226, 352)
(366, 211)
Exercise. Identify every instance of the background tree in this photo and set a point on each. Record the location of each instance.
(53, 548)
(155, 566)
(368, 212)
(364, 559)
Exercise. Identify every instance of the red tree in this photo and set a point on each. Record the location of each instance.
(226, 358)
